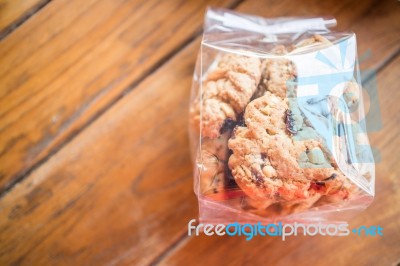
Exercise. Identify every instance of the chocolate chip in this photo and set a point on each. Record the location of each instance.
(260, 91)
(322, 182)
(240, 120)
(229, 125)
(231, 183)
(333, 176)
(259, 180)
(317, 185)
(290, 123)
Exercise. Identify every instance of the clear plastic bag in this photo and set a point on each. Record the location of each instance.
(277, 123)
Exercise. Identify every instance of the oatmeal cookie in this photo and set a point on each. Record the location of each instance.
(226, 92)
(278, 159)
(271, 167)
(279, 76)
(214, 157)
(312, 41)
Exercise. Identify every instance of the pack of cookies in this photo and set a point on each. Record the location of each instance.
(277, 121)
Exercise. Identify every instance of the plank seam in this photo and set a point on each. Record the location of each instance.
(385, 63)
(22, 19)
(159, 64)
(170, 249)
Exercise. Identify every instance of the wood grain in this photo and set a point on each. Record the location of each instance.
(73, 59)
(350, 250)
(120, 192)
(11, 11)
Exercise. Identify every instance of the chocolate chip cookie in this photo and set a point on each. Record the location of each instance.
(272, 167)
(278, 158)
(226, 91)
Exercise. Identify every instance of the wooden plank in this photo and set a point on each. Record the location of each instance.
(118, 192)
(12, 11)
(72, 60)
(350, 250)
(121, 191)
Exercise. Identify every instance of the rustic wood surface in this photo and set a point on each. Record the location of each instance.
(94, 157)
(14, 12)
(72, 60)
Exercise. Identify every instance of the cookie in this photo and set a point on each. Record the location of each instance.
(315, 40)
(278, 159)
(279, 76)
(214, 157)
(226, 91)
(271, 167)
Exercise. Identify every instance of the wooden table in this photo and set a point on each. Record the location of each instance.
(94, 157)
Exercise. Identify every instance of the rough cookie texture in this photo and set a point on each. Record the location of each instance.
(314, 40)
(279, 76)
(214, 156)
(278, 159)
(226, 92)
(271, 167)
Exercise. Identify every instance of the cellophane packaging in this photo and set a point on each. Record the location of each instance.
(277, 122)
